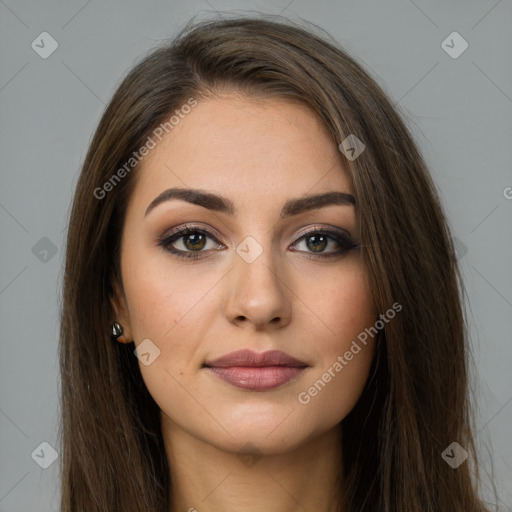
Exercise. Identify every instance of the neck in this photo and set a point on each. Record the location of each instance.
(206, 478)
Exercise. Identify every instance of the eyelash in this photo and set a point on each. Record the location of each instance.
(341, 239)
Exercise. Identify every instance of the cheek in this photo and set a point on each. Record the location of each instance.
(162, 297)
(339, 304)
(334, 391)
(174, 310)
(341, 312)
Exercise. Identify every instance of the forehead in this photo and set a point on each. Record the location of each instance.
(252, 150)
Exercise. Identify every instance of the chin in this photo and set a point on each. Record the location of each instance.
(247, 439)
(276, 430)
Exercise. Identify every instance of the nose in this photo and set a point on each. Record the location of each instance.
(258, 294)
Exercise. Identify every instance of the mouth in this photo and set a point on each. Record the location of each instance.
(249, 370)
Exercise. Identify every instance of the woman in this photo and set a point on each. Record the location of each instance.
(261, 298)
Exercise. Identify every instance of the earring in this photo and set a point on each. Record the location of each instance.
(117, 331)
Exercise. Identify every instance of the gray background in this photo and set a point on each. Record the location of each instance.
(459, 109)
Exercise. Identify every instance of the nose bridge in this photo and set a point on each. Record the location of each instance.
(259, 290)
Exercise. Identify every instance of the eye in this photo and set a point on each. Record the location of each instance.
(317, 241)
(188, 242)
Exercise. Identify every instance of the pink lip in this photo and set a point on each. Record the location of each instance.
(256, 372)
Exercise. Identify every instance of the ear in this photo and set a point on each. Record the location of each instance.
(121, 316)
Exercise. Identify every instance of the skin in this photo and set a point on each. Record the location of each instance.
(259, 153)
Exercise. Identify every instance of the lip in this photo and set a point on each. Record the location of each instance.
(254, 371)
(247, 357)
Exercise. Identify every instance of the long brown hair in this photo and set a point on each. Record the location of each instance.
(416, 401)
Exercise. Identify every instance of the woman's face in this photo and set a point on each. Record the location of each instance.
(247, 276)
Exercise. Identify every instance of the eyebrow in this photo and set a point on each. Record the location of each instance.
(221, 204)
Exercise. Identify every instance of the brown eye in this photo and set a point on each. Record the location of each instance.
(316, 243)
(194, 241)
(189, 242)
